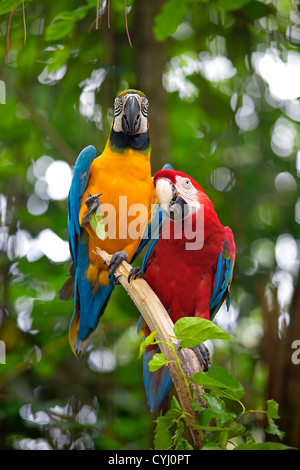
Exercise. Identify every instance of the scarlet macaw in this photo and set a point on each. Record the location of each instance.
(189, 280)
(123, 169)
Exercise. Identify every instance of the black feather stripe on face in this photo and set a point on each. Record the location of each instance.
(145, 107)
(118, 106)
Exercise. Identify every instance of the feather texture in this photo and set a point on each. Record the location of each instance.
(188, 282)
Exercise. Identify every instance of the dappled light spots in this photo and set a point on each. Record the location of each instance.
(287, 253)
(246, 117)
(283, 137)
(222, 179)
(285, 182)
(58, 179)
(102, 360)
(264, 252)
(283, 77)
(212, 68)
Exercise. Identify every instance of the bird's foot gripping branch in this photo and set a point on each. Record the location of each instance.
(207, 401)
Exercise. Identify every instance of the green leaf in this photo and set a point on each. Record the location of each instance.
(183, 445)
(74, 15)
(235, 429)
(211, 446)
(220, 381)
(95, 219)
(217, 406)
(285, 7)
(272, 413)
(231, 5)
(163, 438)
(263, 446)
(59, 29)
(272, 410)
(193, 330)
(59, 58)
(274, 429)
(157, 362)
(149, 340)
(169, 18)
(64, 23)
(179, 443)
(6, 6)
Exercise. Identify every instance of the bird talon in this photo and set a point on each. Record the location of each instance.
(136, 273)
(116, 260)
(203, 356)
(92, 203)
(116, 280)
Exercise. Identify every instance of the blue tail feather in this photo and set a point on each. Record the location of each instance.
(158, 383)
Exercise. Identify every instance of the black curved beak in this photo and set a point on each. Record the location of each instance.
(178, 209)
(131, 119)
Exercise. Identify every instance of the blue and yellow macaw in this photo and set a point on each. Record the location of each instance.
(123, 169)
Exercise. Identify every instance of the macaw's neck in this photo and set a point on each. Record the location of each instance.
(119, 141)
(195, 229)
(128, 163)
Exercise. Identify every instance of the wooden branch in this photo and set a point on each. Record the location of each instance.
(158, 320)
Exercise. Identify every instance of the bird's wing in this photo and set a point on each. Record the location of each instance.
(224, 273)
(77, 188)
(88, 305)
(78, 185)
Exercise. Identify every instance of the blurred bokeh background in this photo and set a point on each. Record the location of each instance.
(223, 82)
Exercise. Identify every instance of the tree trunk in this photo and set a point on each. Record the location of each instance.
(150, 60)
(283, 373)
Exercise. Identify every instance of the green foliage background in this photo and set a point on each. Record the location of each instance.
(218, 122)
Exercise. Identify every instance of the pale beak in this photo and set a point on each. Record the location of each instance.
(171, 203)
(165, 193)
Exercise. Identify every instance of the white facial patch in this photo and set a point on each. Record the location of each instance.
(120, 103)
(188, 192)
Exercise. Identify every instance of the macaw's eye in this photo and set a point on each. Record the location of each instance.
(144, 106)
(118, 106)
(187, 183)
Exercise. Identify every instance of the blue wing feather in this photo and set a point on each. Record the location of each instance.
(78, 185)
(158, 383)
(222, 283)
(91, 304)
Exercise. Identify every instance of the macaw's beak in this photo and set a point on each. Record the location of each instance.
(131, 119)
(169, 200)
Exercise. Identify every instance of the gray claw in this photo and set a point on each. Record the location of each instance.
(116, 260)
(92, 203)
(203, 355)
(136, 273)
(116, 280)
